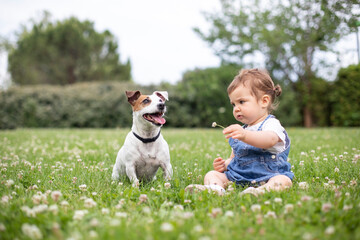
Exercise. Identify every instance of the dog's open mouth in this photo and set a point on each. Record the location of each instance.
(155, 118)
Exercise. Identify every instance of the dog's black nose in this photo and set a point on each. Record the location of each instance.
(161, 106)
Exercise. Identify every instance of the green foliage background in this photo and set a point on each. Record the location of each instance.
(346, 97)
(196, 101)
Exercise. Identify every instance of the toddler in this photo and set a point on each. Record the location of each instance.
(260, 147)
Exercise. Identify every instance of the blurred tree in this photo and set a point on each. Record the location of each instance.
(287, 34)
(65, 52)
(346, 97)
(204, 93)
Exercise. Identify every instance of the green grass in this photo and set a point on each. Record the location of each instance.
(62, 160)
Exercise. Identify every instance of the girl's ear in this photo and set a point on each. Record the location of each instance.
(265, 101)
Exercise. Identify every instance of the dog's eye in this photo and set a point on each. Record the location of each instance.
(145, 101)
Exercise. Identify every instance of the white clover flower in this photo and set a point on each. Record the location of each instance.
(166, 227)
(2, 227)
(89, 203)
(82, 187)
(289, 208)
(198, 228)
(167, 185)
(255, 207)
(121, 214)
(330, 230)
(40, 208)
(94, 222)
(229, 213)
(93, 234)
(187, 201)
(306, 198)
(105, 211)
(5, 199)
(278, 200)
(303, 185)
(114, 222)
(347, 207)
(336, 169)
(54, 209)
(9, 183)
(215, 212)
(146, 210)
(79, 214)
(326, 207)
(270, 214)
(55, 195)
(31, 231)
(187, 215)
(64, 203)
(179, 207)
(143, 198)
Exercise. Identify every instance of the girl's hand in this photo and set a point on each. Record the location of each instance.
(219, 164)
(234, 131)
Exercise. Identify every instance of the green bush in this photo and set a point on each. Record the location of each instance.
(345, 98)
(80, 105)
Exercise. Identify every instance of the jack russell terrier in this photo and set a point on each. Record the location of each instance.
(144, 149)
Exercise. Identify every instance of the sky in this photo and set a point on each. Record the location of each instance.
(155, 35)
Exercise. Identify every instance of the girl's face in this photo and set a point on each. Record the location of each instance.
(246, 108)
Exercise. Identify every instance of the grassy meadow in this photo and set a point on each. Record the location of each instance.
(56, 184)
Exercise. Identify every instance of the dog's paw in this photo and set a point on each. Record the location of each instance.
(136, 184)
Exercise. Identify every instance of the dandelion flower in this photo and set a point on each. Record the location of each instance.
(214, 124)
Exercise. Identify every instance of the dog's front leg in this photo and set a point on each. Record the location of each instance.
(130, 172)
(167, 168)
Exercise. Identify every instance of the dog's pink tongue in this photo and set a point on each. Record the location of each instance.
(159, 120)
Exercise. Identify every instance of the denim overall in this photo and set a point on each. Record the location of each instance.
(252, 165)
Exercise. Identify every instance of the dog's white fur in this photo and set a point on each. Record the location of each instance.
(138, 160)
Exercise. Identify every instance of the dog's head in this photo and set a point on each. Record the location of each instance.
(150, 108)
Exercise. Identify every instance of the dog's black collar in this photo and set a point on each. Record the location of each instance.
(147, 140)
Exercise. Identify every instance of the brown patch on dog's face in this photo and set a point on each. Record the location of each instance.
(141, 102)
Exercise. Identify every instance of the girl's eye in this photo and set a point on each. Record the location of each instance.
(242, 102)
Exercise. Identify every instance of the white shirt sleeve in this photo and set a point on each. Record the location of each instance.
(274, 125)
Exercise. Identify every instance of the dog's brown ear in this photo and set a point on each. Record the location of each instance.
(132, 96)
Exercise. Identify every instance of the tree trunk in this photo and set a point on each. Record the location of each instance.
(308, 121)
